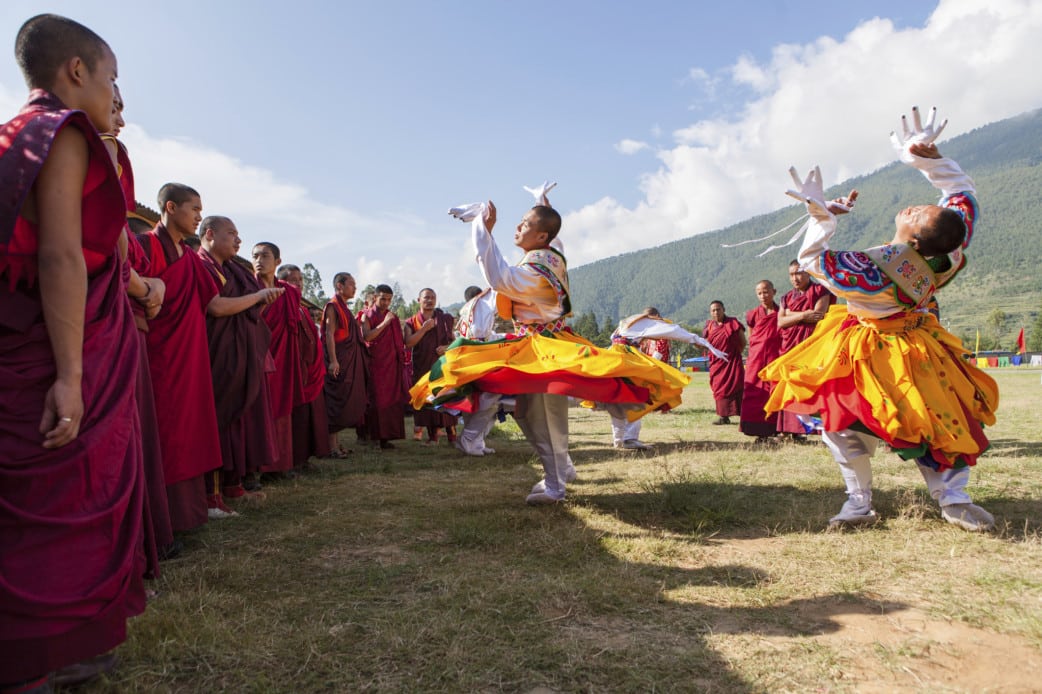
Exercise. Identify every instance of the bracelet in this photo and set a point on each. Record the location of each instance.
(148, 290)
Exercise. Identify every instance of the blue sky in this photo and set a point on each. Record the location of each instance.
(343, 131)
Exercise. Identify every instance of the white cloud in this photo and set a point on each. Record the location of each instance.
(831, 102)
(332, 237)
(630, 146)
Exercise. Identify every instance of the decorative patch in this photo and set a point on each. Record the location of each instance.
(854, 270)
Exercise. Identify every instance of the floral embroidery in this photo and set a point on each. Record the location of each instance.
(854, 270)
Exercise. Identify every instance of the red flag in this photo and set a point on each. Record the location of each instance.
(1021, 346)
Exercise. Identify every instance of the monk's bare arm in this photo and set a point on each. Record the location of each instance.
(63, 280)
(370, 334)
(328, 328)
(222, 306)
(412, 337)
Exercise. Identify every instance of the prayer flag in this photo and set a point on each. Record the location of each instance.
(1021, 347)
(976, 348)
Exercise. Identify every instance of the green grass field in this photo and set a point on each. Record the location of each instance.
(702, 566)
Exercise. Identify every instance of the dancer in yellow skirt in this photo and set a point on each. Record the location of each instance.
(543, 362)
(882, 367)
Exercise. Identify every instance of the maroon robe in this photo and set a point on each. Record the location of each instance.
(795, 300)
(238, 350)
(179, 360)
(385, 417)
(346, 394)
(286, 382)
(71, 555)
(764, 347)
(157, 529)
(726, 377)
(310, 423)
(424, 354)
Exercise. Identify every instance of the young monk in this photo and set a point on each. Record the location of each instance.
(286, 382)
(310, 422)
(726, 376)
(385, 416)
(347, 358)
(427, 334)
(800, 311)
(148, 293)
(238, 339)
(71, 480)
(178, 354)
(764, 347)
(883, 367)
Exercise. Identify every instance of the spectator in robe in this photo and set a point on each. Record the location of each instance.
(427, 334)
(726, 377)
(71, 480)
(799, 312)
(147, 293)
(385, 416)
(347, 358)
(238, 340)
(286, 382)
(310, 422)
(764, 347)
(179, 357)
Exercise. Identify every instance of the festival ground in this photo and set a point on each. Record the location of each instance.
(701, 566)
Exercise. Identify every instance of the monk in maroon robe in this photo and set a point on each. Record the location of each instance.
(726, 377)
(800, 310)
(286, 381)
(179, 359)
(764, 347)
(385, 417)
(427, 334)
(310, 421)
(347, 375)
(239, 340)
(148, 293)
(71, 480)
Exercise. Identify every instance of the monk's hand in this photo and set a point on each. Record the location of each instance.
(920, 137)
(539, 192)
(810, 192)
(268, 295)
(334, 368)
(427, 325)
(62, 413)
(440, 349)
(489, 216)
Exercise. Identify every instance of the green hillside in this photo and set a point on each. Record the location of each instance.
(1000, 290)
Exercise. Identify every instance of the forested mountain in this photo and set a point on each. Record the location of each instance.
(998, 292)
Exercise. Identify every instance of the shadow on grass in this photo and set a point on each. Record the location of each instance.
(1015, 447)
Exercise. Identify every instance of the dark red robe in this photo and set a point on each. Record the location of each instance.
(385, 417)
(347, 394)
(310, 423)
(286, 381)
(726, 377)
(424, 354)
(764, 347)
(238, 351)
(179, 360)
(71, 557)
(157, 530)
(795, 300)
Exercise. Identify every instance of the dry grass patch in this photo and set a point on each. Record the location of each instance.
(699, 566)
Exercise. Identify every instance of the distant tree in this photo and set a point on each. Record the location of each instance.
(359, 303)
(586, 326)
(603, 338)
(1034, 338)
(995, 328)
(313, 291)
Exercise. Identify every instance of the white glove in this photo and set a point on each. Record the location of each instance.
(810, 192)
(539, 192)
(920, 135)
(467, 213)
